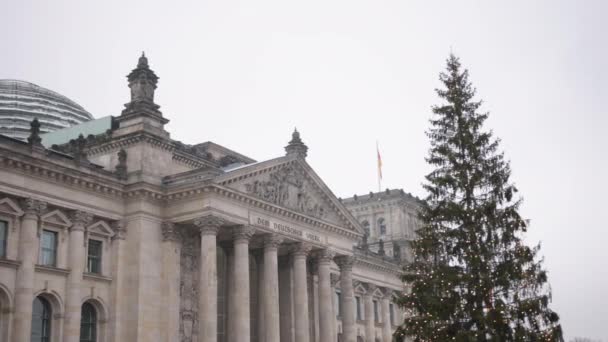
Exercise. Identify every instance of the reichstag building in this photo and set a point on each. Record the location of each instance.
(123, 234)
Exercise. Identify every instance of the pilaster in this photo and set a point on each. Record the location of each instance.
(28, 252)
(76, 261)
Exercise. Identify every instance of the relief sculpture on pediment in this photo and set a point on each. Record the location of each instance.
(288, 188)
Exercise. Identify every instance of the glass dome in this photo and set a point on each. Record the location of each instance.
(21, 102)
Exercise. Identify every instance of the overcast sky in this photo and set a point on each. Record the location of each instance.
(347, 73)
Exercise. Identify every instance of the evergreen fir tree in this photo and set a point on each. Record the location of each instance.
(472, 277)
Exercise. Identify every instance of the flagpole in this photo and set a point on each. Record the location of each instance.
(379, 167)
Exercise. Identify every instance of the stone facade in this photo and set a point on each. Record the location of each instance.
(175, 242)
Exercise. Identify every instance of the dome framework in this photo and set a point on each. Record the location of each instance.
(21, 102)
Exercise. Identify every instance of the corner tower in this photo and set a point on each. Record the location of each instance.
(141, 113)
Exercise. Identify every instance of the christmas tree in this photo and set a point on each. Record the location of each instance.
(472, 277)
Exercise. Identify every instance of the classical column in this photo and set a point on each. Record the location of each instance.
(171, 247)
(207, 290)
(326, 319)
(386, 317)
(28, 250)
(76, 261)
(241, 327)
(261, 294)
(230, 289)
(272, 327)
(348, 305)
(302, 329)
(370, 331)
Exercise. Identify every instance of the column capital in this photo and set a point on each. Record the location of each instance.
(300, 249)
(120, 229)
(209, 224)
(272, 241)
(324, 256)
(388, 293)
(243, 233)
(32, 206)
(80, 219)
(169, 231)
(345, 262)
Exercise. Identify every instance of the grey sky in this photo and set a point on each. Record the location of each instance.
(348, 72)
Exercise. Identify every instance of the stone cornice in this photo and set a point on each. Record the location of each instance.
(73, 176)
(378, 265)
(10, 263)
(52, 270)
(96, 277)
(179, 154)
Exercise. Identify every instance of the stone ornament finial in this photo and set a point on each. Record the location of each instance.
(324, 256)
(34, 139)
(243, 232)
(80, 219)
(142, 82)
(296, 147)
(272, 241)
(169, 231)
(121, 167)
(345, 262)
(120, 229)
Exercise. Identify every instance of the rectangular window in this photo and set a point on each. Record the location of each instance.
(338, 304)
(3, 238)
(391, 311)
(358, 308)
(376, 313)
(48, 250)
(94, 257)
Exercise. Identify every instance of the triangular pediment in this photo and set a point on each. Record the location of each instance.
(58, 218)
(8, 206)
(360, 288)
(292, 184)
(378, 293)
(100, 228)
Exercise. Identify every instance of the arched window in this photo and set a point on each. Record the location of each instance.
(88, 323)
(382, 226)
(41, 320)
(365, 225)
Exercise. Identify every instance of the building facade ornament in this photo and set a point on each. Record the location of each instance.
(296, 147)
(345, 262)
(300, 249)
(80, 219)
(324, 256)
(272, 241)
(32, 206)
(209, 224)
(34, 139)
(243, 232)
(169, 231)
(121, 167)
(120, 230)
(288, 187)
